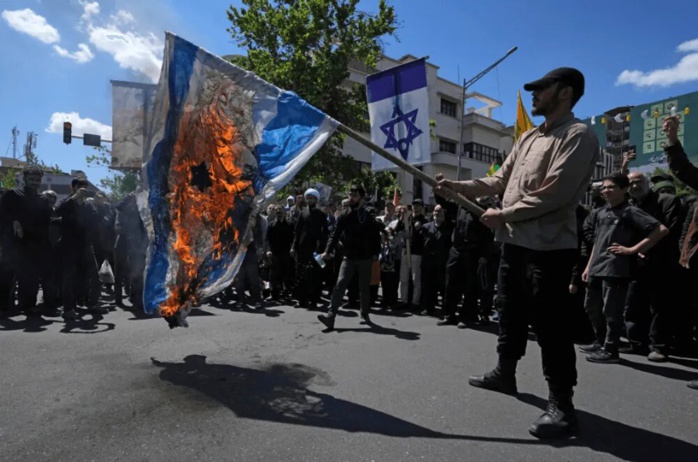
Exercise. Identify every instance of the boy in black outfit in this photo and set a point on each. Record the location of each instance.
(621, 231)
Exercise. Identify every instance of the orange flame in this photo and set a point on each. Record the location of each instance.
(200, 217)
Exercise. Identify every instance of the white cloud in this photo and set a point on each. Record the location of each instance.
(691, 45)
(30, 23)
(131, 50)
(82, 55)
(686, 70)
(80, 125)
(89, 9)
(122, 17)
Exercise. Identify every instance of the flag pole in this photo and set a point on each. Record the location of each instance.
(460, 199)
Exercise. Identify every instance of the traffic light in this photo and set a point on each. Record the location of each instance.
(67, 132)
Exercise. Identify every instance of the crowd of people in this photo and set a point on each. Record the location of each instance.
(535, 260)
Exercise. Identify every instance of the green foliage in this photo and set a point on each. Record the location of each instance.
(119, 184)
(681, 188)
(307, 46)
(9, 178)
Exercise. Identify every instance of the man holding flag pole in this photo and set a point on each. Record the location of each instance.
(541, 182)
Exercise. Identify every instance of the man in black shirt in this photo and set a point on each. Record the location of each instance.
(621, 231)
(78, 225)
(309, 238)
(26, 217)
(280, 239)
(359, 233)
(437, 243)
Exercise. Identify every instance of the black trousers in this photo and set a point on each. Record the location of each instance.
(281, 274)
(390, 281)
(33, 264)
(433, 283)
(462, 281)
(79, 271)
(649, 307)
(533, 288)
(308, 282)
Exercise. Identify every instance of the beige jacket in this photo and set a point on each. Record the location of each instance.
(542, 182)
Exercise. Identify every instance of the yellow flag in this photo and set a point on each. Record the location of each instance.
(523, 122)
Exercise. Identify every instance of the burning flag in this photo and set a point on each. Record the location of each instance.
(221, 142)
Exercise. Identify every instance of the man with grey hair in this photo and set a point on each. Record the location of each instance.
(649, 306)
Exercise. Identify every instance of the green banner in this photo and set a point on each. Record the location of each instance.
(646, 132)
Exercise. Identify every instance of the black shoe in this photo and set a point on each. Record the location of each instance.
(447, 322)
(603, 357)
(693, 384)
(591, 348)
(633, 349)
(70, 315)
(559, 420)
(327, 320)
(365, 319)
(300, 305)
(495, 381)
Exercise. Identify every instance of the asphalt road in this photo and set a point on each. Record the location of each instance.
(271, 386)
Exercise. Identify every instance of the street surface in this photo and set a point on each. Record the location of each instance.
(271, 386)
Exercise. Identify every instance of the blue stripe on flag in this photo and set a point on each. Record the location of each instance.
(396, 81)
(157, 172)
(285, 136)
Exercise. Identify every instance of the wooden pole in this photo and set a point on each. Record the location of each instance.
(460, 199)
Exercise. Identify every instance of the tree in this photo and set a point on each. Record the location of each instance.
(118, 184)
(681, 188)
(306, 46)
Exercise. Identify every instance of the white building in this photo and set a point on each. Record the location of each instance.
(472, 134)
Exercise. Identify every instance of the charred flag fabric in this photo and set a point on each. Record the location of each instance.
(222, 141)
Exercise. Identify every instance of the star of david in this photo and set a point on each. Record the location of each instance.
(402, 144)
(200, 177)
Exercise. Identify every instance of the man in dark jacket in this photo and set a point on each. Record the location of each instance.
(650, 303)
(77, 253)
(280, 239)
(26, 218)
(310, 237)
(680, 166)
(437, 244)
(359, 233)
(470, 249)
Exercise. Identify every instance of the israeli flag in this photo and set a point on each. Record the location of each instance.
(222, 142)
(398, 106)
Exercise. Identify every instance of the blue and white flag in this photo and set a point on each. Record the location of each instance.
(398, 105)
(221, 142)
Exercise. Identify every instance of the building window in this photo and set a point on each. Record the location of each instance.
(449, 108)
(483, 153)
(447, 146)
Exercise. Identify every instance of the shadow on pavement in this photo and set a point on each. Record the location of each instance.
(618, 439)
(279, 393)
(668, 372)
(380, 330)
(32, 324)
(88, 326)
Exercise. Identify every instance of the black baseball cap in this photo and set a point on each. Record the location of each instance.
(566, 75)
(418, 202)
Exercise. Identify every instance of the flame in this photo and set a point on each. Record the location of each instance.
(200, 218)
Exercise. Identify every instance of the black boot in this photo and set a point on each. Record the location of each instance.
(502, 378)
(693, 384)
(560, 419)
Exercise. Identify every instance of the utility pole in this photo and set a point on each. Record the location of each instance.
(467, 84)
(29, 147)
(15, 134)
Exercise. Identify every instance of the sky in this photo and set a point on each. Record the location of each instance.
(58, 56)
